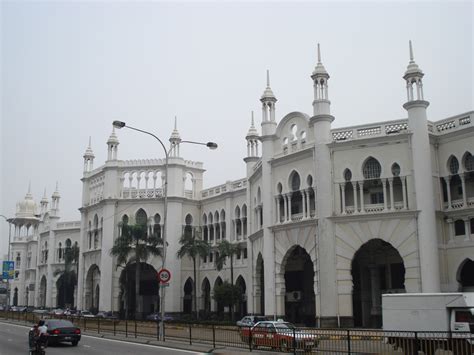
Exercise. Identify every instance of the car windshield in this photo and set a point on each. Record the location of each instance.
(59, 324)
(284, 326)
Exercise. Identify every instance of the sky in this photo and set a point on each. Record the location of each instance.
(68, 69)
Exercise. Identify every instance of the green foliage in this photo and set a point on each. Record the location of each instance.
(226, 249)
(226, 293)
(192, 245)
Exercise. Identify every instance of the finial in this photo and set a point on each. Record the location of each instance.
(319, 55)
(29, 187)
(411, 53)
(252, 119)
(44, 194)
(89, 141)
(57, 184)
(175, 122)
(268, 78)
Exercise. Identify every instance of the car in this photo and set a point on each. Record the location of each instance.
(157, 317)
(279, 335)
(57, 312)
(61, 330)
(86, 314)
(249, 321)
(40, 311)
(106, 315)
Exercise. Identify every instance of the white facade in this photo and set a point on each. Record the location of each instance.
(327, 219)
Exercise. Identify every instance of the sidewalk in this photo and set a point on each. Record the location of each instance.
(173, 344)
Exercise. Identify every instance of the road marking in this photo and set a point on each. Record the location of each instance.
(86, 346)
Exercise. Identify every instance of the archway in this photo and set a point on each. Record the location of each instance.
(377, 268)
(260, 276)
(241, 309)
(148, 301)
(206, 295)
(188, 296)
(65, 290)
(219, 305)
(42, 292)
(300, 300)
(92, 281)
(466, 276)
(27, 295)
(15, 297)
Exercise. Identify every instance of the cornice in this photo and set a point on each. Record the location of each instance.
(299, 154)
(416, 103)
(257, 235)
(290, 225)
(377, 216)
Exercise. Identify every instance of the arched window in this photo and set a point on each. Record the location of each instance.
(459, 227)
(309, 181)
(295, 182)
(395, 169)
(188, 228)
(453, 165)
(347, 174)
(60, 251)
(372, 169)
(68, 243)
(156, 225)
(141, 217)
(469, 162)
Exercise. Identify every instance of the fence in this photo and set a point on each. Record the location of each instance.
(314, 340)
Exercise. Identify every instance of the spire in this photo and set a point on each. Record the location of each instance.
(411, 53)
(175, 137)
(45, 198)
(412, 69)
(319, 71)
(89, 153)
(56, 192)
(113, 137)
(413, 76)
(252, 133)
(268, 93)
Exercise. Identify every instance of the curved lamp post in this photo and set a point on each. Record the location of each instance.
(9, 220)
(210, 145)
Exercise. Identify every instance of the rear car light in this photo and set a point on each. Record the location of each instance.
(56, 331)
(77, 331)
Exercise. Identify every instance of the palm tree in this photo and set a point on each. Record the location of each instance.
(227, 249)
(193, 246)
(134, 245)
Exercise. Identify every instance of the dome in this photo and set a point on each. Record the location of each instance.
(112, 139)
(252, 131)
(26, 208)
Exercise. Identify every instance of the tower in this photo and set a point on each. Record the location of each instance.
(321, 125)
(89, 158)
(252, 147)
(423, 175)
(175, 139)
(268, 101)
(55, 202)
(44, 203)
(112, 146)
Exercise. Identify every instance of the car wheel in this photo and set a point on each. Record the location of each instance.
(75, 342)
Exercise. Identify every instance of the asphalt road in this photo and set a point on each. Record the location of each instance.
(14, 340)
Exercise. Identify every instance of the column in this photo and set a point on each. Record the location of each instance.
(464, 195)
(285, 208)
(308, 201)
(354, 189)
(289, 206)
(450, 223)
(343, 196)
(448, 188)
(361, 187)
(277, 200)
(466, 228)
(390, 186)
(404, 192)
(303, 202)
(384, 186)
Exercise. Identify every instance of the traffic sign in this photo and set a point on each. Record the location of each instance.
(164, 276)
(8, 270)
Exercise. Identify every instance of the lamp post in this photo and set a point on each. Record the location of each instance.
(210, 145)
(8, 256)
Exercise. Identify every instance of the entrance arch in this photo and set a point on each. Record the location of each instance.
(241, 308)
(42, 292)
(188, 296)
(92, 281)
(465, 276)
(206, 295)
(300, 300)
(219, 305)
(377, 268)
(65, 290)
(148, 301)
(15, 297)
(260, 289)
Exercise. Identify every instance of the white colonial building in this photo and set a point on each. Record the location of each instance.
(327, 219)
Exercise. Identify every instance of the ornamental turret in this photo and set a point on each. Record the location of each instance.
(112, 146)
(175, 139)
(268, 101)
(252, 139)
(55, 202)
(89, 158)
(321, 103)
(44, 203)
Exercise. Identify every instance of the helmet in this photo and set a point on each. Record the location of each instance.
(41, 323)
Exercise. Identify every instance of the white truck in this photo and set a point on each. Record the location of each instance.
(429, 321)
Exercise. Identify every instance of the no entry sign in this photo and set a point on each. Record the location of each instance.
(164, 276)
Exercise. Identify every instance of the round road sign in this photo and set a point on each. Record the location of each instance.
(164, 275)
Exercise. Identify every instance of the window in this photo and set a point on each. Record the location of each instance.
(245, 249)
(211, 257)
(205, 259)
(469, 162)
(372, 169)
(453, 165)
(376, 198)
(395, 169)
(238, 254)
(347, 175)
(459, 227)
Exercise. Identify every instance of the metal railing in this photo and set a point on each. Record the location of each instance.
(310, 340)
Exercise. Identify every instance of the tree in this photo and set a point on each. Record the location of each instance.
(193, 246)
(226, 293)
(67, 276)
(227, 249)
(134, 245)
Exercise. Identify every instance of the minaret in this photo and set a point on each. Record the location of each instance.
(89, 158)
(269, 125)
(55, 202)
(321, 123)
(175, 139)
(252, 147)
(44, 203)
(112, 144)
(423, 177)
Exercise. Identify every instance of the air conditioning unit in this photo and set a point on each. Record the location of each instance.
(293, 296)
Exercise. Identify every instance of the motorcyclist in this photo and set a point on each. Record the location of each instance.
(38, 336)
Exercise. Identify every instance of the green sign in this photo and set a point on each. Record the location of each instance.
(8, 270)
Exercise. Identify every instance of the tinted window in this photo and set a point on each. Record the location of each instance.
(59, 324)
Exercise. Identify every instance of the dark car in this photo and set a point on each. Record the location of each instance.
(61, 330)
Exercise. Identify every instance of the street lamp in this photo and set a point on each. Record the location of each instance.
(8, 257)
(210, 145)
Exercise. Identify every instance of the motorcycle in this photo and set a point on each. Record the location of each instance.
(37, 344)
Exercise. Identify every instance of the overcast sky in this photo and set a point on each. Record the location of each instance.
(70, 68)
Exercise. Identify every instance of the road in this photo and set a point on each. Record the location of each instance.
(14, 340)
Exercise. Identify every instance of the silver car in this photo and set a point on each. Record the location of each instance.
(250, 321)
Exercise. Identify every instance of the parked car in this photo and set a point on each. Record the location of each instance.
(57, 312)
(249, 321)
(86, 314)
(61, 330)
(157, 317)
(106, 315)
(70, 312)
(40, 311)
(279, 335)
